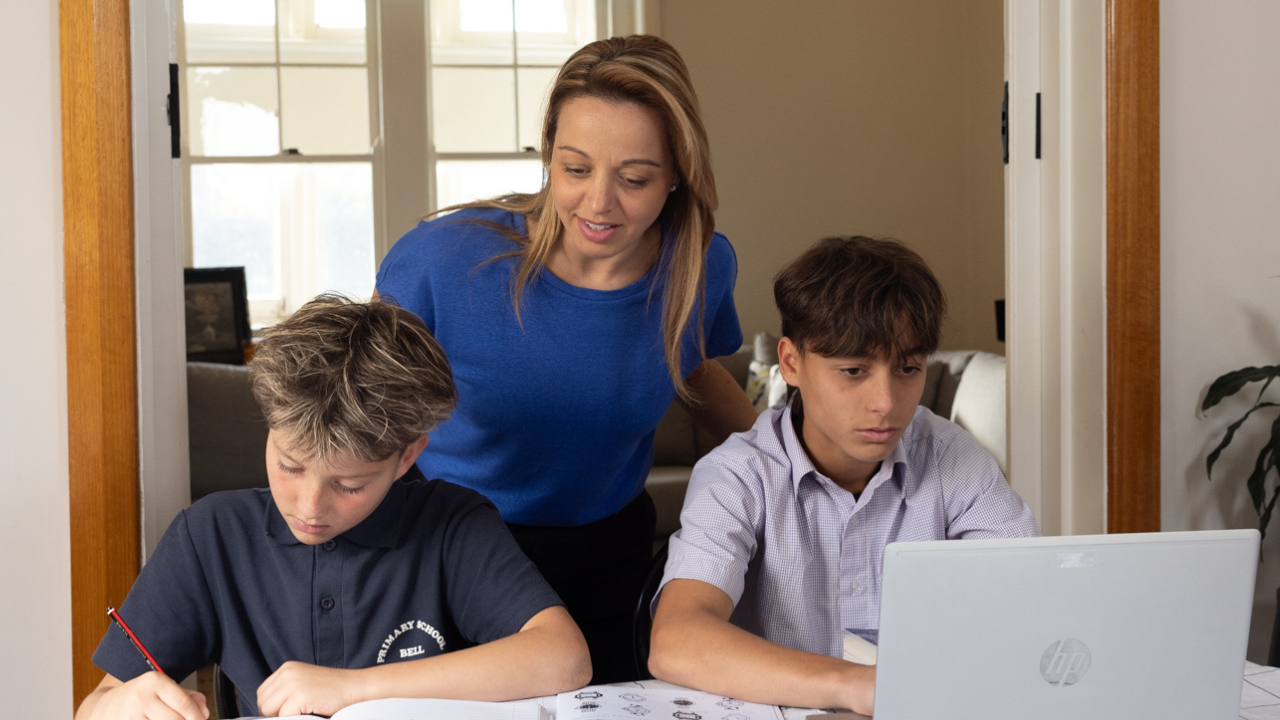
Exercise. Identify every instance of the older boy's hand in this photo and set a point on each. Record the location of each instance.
(862, 691)
(297, 688)
(150, 695)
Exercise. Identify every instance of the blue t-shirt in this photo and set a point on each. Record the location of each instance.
(555, 419)
(433, 569)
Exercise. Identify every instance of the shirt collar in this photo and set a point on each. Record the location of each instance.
(894, 467)
(380, 529)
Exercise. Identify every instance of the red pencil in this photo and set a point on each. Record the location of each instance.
(151, 662)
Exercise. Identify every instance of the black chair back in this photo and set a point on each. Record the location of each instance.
(225, 703)
(642, 621)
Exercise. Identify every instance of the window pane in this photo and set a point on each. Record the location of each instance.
(549, 31)
(299, 229)
(535, 86)
(340, 14)
(223, 31)
(336, 248)
(459, 181)
(473, 109)
(232, 111)
(236, 220)
(322, 31)
(326, 110)
(471, 32)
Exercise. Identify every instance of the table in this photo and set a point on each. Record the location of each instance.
(1259, 697)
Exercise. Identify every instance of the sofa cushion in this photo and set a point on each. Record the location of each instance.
(942, 377)
(979, 405)
(228, 437)
(673, 442)
(666, 485)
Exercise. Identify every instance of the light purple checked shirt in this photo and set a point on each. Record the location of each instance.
(801, 558)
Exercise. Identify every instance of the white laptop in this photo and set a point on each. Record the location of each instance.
(1133, 627)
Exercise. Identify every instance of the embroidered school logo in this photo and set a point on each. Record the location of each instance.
(409, 640)
(1065, 662)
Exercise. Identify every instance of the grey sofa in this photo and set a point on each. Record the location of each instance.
(228, 435)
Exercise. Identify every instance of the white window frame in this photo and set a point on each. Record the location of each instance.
(269, 311)
(612, 17)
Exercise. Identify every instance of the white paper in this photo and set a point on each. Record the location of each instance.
(1268, 680)
(430, 709)
(607, 702)
(1270, 712)
(1252, 696)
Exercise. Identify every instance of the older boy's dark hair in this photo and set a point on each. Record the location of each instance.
(858, 297)
(345, 376)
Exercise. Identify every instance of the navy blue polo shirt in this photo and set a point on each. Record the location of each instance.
(433, 569)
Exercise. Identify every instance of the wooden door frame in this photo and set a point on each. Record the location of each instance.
(99, 286)
(1133, 265)
(100, 297)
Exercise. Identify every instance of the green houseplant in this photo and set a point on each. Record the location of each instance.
(1226, 386)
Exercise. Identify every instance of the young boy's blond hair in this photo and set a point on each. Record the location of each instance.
(346, 376)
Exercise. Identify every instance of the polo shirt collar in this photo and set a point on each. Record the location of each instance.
(380, 529)
(894, 466)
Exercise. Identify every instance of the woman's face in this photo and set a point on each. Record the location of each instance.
(610, 175)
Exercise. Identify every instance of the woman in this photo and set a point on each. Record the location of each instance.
(572, 317)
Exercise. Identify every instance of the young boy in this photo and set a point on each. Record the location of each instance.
(784, 526)
(340, 583)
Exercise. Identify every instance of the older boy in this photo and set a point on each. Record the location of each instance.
(784, 526)
(341, 583)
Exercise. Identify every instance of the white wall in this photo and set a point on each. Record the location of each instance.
(35, 665)
(831, 117)
(1220, 262)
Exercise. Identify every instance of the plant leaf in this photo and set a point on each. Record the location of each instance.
(1257, 479)
(1275, 440)
(1231, 433)
(1266, 515)
(1229, 384)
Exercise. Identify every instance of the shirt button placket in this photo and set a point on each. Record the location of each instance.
(328, 586)
(848, 556)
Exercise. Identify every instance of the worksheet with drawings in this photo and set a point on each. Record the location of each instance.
(429, 709)
(606, 702)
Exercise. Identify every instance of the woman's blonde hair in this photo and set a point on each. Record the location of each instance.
(647, 71)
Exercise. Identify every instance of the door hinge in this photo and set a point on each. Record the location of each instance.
(171, 108)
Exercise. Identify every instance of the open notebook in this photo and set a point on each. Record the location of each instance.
(599, 702)
(430, 709)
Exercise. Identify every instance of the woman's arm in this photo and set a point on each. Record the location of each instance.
(547, 656)
(693, 644)
(722, 408)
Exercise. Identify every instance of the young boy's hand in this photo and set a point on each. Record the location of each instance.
(150, 695)
(297, 688)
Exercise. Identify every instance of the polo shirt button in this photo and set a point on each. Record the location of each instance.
(326, 603)
(330, 545)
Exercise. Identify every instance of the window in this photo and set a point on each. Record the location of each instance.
(280, 97)
(293, 169)
(492, 64)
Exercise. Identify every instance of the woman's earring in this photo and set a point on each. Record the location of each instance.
(673, 187)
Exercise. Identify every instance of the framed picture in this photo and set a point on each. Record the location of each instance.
(217, 312)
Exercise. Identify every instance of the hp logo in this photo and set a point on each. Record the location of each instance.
(1065, 662)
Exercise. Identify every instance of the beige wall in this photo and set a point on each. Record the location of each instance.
(836, 117)
(1220, 260)
(35, 530)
